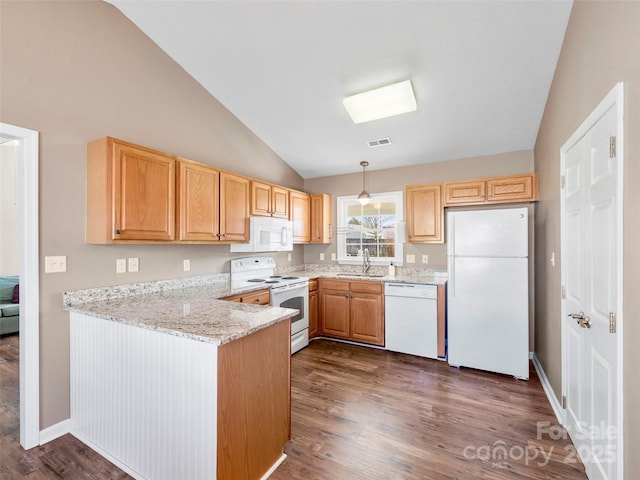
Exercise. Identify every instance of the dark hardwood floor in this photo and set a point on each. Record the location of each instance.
(359, 413)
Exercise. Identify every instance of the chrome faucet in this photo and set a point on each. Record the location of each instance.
(366, 262)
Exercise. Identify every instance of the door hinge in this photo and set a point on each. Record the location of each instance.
(612, 147)
(563, 292)
(562, 181)
(564, 401)
(612, 322)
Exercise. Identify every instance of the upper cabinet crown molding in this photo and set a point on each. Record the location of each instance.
(130, 193)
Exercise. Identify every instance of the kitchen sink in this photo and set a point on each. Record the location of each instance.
(360, 275)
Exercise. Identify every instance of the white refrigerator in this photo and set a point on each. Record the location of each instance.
(488, 290)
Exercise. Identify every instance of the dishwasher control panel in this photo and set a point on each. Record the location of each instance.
(416, 290)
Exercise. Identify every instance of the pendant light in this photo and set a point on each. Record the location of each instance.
(364, 197)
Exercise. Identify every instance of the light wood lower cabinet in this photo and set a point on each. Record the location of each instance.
(314, 330)
(260, 297)
(352, 310)
(254, 402)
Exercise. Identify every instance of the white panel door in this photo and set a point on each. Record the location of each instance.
(491, 233)
(590, 275)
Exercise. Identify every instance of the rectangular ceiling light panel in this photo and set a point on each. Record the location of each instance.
(381, 103)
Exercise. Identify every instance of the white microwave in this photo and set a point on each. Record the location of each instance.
(267, 234)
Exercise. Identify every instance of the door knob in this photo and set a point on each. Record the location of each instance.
(581, 319)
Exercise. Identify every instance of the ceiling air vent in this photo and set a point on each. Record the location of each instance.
(380, 142)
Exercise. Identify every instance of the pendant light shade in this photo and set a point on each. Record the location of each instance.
(364, 197)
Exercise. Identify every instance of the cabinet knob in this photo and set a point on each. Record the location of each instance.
(118, 232)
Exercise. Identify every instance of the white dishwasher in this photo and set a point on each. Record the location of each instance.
(411, 318)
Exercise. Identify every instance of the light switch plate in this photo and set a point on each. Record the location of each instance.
(322, 257)
(425, 258)
(186, 264)
(333, 257)
(55, 264)
(121, 265)
(411, 258)
(288, 257)
(133, 264)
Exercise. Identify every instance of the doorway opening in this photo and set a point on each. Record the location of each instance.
(27, 179)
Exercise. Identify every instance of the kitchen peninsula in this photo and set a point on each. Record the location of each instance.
(169, 382)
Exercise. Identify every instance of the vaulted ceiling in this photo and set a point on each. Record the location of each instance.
(481, 72)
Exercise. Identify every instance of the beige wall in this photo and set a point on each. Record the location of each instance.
(9, 227)
(601, 48)
(395, 179)
(77, 71)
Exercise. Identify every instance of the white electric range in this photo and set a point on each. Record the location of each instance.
(287, 291)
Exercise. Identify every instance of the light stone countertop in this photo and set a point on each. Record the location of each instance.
(193, 311)
(190, 307)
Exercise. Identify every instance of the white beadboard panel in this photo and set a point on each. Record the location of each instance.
(146, 398)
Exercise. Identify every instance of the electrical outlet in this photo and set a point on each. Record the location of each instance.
(186, 309)
(288, 257)
(425, 258)
(55, 264)
(322, 257)
(121, 265)
(133, 264)
(186, 264)
(411, 259)
(333, 257)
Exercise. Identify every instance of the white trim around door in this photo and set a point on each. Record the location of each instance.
(28, 147)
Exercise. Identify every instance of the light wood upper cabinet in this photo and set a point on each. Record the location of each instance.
(269, 200)
(234, 207)
(425, 216)
(300, 214)
(514, 188)
(198, 202)
(130, 193)
(465, 193)
(507, 189)
(320, 218)
(213, 206)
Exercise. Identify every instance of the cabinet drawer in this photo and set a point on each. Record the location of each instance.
(327, 283)
(313, 285)
(257, 298)
(363, 286)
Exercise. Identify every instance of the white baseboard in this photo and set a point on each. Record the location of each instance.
(546, 386)
(55, 431)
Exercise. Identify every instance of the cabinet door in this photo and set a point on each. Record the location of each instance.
(143, 194)
(464, 193)
(279, 202)
(234, 207)
(367, 318)
(515, 188)
(260, 199)
(425, 219)
(334, 308)
(320, 218)
(313, 314)
(198, 202)
(300, 203)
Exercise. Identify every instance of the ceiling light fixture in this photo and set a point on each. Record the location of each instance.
(381, 102)
(364, 197)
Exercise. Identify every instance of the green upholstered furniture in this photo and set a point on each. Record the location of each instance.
(9, 311)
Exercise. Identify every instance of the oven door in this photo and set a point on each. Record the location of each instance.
(293, 296)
